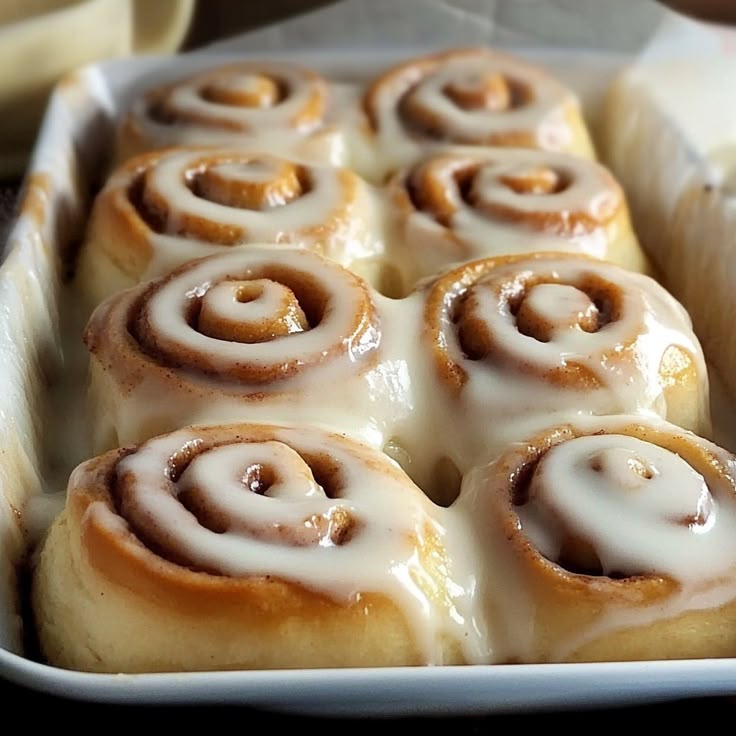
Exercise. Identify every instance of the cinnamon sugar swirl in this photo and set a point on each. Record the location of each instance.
(472, 96)
(269, 106)
(240, 547)
(516, 340)
(162, 209)
(607, 539)
(272, 335)
(461, 204)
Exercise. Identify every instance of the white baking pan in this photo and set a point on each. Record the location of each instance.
(70, 158)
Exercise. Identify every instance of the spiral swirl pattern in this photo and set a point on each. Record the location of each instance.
(214, 501)
(621, 498)
(230, 197)
(252, 319)
(461, 204)
(581, 485)
(548, 193)
(473, 96)
(245, 546)
(236, 104)
(165, 208)
(568, 321)
(618, 535)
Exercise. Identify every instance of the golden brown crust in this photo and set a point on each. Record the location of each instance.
(257, 89)
(500, 84)
(573, 613)
(222, 198)
(452, 295)
(98, 558)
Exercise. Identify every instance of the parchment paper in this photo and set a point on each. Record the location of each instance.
(635, 28)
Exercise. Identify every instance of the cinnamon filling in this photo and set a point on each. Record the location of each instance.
(534, 180)
(597, 504)
(267, 303)
(505, 191)
(255, 184)
(478, 91)
(576, 554)
(154, 217)
(540, 310)
(248, 90)
(221, 317)
(431, 187)
(486, 91)
(242, 88)
(249, 183)
(547, 308)
(289, 473)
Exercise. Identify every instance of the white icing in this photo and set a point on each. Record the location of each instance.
(376, 377)
(398, 400)
(347, 373)
(280, 221)
(328, 210)
(276, 124)
(540, 113)
(677, 522)
(675, 117)
(512, 391)
(378, 556)
(489, 217)
(338, 332)
(642, 508)
(224, 302)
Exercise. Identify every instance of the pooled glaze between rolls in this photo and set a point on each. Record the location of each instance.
(607, 539)
(487, 352)
(604, 539)
(246, 546)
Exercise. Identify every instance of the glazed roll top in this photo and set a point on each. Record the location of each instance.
(276, 335)
(488, 352)
(461, 204)
(608, 539)
(262, 105)
(244, 546)
(162, 209)
(516, 340)
(472, 96)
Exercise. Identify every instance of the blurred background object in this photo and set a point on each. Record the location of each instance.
(719, 11)
(218, 19)
(41, 40)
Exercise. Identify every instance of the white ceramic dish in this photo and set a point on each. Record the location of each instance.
(70, 154)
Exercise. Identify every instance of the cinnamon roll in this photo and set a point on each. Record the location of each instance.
(270, 106)
(516, 340)
(208, 549)
(462, 204)
(162, 209)
(607, 539)
(258, 335)
(471, 96)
